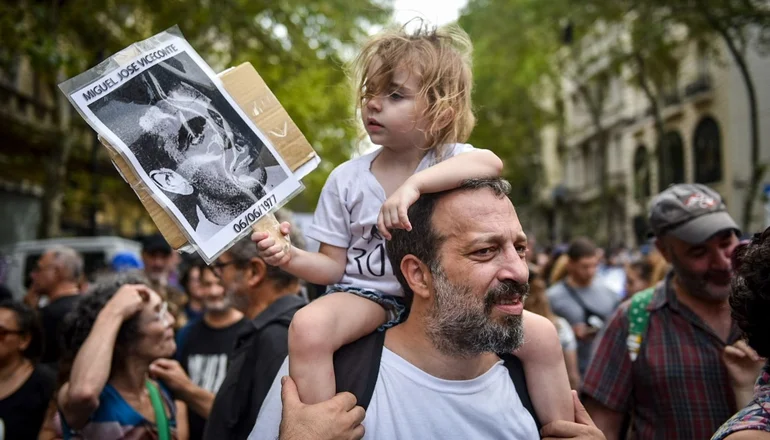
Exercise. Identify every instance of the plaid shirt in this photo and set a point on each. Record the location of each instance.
(678, 388)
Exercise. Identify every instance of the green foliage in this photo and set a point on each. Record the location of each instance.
(295, 45)
(514, 43)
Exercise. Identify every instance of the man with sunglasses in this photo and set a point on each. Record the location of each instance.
(268, 297)
(674, 384)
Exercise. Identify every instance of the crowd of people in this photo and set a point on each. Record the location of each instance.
(442, 318)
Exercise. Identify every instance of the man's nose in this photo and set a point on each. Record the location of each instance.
(513, 267)
(721, 260)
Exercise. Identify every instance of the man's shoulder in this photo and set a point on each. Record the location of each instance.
(60, 306)
(274, 321)
(280, 311)
(556, 290)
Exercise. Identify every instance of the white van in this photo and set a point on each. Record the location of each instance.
(97, 252)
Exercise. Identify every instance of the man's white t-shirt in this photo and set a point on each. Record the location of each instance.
(408, 403)
(346, 217)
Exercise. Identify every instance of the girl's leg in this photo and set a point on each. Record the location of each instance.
(321, 328)
(545, 370)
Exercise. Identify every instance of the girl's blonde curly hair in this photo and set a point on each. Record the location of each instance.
(441, 59)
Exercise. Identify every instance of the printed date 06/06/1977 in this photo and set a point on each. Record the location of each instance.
(250, 217)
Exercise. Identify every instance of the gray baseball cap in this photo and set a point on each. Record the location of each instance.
(690, 212)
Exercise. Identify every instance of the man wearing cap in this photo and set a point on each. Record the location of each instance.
(678, 386)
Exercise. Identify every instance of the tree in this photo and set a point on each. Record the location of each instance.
(532, 45)
(513, 47)
(294, 44)
(739, 24)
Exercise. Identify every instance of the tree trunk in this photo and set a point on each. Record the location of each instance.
(644, 84)
(757, 169)
(55, 166)
(596, 109)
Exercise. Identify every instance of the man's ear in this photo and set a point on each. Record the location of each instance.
(257, 272)
(417, 275)
(171, 181)
(25, 341)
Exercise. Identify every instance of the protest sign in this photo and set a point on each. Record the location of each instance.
(203, 162)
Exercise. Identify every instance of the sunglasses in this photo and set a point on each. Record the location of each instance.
(218, 266)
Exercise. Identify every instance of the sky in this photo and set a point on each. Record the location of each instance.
(438, 12)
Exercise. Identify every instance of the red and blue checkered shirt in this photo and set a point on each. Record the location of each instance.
(678, 388)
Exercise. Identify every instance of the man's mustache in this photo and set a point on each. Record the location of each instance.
(506, 291)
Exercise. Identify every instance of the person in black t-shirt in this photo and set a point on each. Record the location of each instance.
(57, 276)
(203, 351)
(25, 387)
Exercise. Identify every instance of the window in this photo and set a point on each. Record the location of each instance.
(670, 160)
(641, 173)
(707, 148)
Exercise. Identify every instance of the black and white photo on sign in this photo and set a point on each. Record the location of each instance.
(191, 142)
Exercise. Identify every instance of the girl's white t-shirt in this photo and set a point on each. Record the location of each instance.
(346, 217)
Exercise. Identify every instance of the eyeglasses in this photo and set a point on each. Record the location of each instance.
(6, 331)
(163, 313)
(218, 266)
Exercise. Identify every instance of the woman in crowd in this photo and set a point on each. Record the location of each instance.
(537, 302)
(111, 338)
(558, 270)
(659, 265)
(638, 277)
(25, 386)
(750, 302)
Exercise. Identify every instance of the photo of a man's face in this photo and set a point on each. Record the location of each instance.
(191, 143)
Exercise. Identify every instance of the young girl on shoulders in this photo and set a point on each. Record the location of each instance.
(414, 98)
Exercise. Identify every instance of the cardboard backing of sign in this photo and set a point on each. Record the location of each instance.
(256, 100)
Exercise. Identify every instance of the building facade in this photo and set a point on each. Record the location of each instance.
(598, 179)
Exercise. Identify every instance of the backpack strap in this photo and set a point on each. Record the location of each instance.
(357, 366)
(638, 320)
(516, 372)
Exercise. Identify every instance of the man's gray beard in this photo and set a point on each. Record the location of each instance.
(460, 324)
(227, 304)
(694, 284)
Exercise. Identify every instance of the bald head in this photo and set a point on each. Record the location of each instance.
(59, 269)
(68, 261)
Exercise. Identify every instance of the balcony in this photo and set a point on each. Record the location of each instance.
(701, 85)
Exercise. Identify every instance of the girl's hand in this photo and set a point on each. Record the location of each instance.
(274, 254)
(129, 300)
(393, 214)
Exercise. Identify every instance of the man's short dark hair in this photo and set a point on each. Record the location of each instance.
(423, 241)
(156, 243)
(580, 248)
